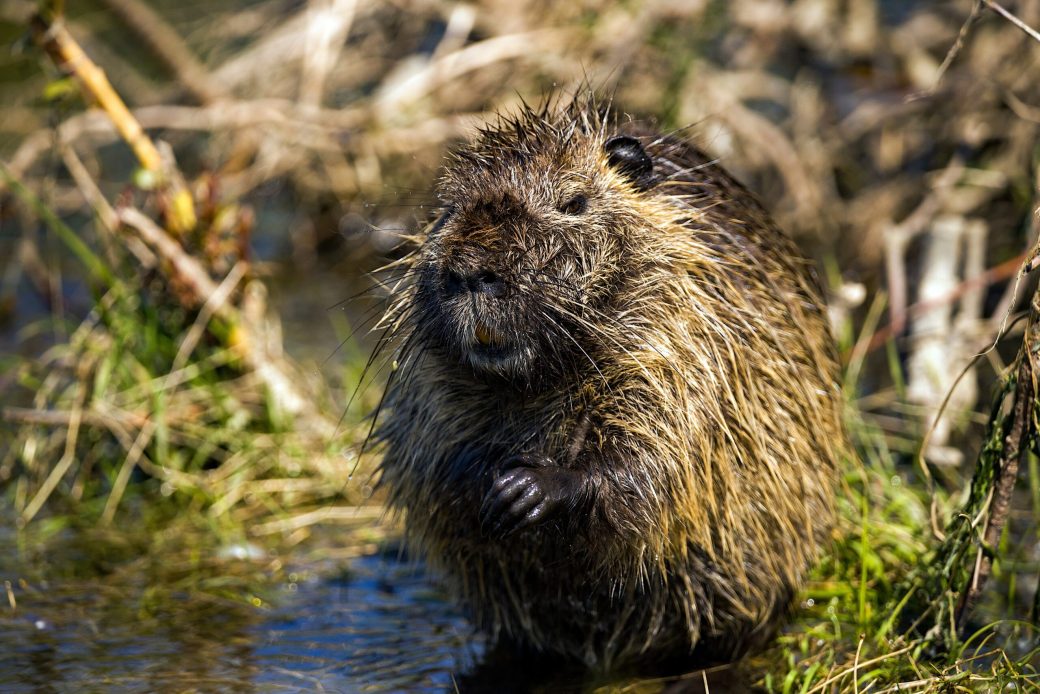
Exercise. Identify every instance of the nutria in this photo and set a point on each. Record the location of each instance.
(613, 423)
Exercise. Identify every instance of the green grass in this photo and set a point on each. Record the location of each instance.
(877, 614)
(148, 399)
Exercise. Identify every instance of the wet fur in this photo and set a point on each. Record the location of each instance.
(667, 348)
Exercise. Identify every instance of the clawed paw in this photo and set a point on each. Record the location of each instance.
(525, 495)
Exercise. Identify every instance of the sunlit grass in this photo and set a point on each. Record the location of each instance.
(859, 626)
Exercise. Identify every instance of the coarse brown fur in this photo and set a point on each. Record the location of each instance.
(614, 421)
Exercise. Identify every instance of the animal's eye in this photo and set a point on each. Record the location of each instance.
(575, 205)
(438, 223)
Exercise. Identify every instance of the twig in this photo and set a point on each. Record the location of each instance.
(185, 267)
(1007, 470)
(328, 23)
(955, 49)
(284, 44)
(452, 66)
(56, 40)
(91, 193)
(1030, 31)
(248, 345)
(899, 236)
(105, 212)
(316, 129)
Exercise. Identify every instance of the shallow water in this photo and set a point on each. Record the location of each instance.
(383, 627)
(380, 626)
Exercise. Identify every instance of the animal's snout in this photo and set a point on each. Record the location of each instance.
(482, 281)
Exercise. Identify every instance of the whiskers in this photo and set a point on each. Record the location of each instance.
(609, 332)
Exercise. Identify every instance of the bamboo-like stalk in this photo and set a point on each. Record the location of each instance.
(54, 37)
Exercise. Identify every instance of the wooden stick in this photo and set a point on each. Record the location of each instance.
(1030, 31)
(1006, 474)
(53, 36)
(66, 53)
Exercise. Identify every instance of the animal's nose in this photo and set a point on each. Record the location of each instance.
(476, 282)
(485, 282)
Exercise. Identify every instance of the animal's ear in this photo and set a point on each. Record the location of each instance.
(626, 154)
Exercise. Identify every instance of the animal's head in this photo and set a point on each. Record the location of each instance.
(539, 231)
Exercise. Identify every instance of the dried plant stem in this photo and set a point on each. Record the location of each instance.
(214, 301)
(326, 514)
(822, 686)
(1030, 31)
(133, 456)
(248, 344)
(54, 37)
(1015, 442)
(991, 276)
(953, 578)
(64, 464)
(66, 53)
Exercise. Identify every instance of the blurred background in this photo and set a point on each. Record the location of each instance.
(896, 140)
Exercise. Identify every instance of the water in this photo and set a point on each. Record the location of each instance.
(377, 626)
(158, 611)
(384, 628)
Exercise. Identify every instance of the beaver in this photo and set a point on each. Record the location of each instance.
(613, 425)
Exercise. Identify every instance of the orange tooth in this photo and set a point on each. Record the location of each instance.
(483, 335)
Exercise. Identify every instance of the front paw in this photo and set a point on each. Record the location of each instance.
(530, 491)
